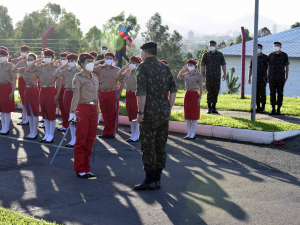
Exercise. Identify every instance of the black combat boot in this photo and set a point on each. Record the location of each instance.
(278, 110)
(214, 110)
(273, 110)
(148, 183)
(262, 109)
(209, 108)
(157, 177)
(257, 107)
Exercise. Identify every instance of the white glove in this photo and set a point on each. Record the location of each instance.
(99, 118)
(72, 116)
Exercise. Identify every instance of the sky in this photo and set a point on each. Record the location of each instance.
(181, 13)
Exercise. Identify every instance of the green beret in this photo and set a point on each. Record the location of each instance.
(212, 42)
(104, 47)
(277, 43)
(148, 45)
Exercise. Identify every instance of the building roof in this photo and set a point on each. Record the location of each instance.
(290, 40)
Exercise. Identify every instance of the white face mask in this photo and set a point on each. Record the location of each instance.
(113, 63)
(23, 54)
(212, 48)
(190, 68)
(29, 63)
(258, 50)
(104, 51)
(72, 64)
(3, 59)
(48, 60)
(132, 66)
(89, 66)
(108, 61)
(64, 62)
(276, 48)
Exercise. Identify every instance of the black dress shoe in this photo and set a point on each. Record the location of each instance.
(209, 111)
(262, 110)
(192, 138)
(186, 137)
(42, 141)
(272, 112)
(102, 136)
(91, 175)
(42, 126)
(279, 113)
(4, 133)
(214, 111)
(130, 140)
(145, 186)
(31, 137)
(69, 146)
(20, 123)
(110, 137)
(82, 176)
(50, 141)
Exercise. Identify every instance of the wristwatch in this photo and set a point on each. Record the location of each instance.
(141, 113)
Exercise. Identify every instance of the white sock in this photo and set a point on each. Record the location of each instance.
(81, 174)
(24, 114)
(30, 119)
(7, 121)
(2, 122)
(52, 129)
(73, 134)
(189, 127)
(35, 125)
(47, 129)
(132, 127)
(194, 127)
(135, 137)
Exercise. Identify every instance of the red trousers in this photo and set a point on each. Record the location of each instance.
(68, 96)
(131, 105)
(46, 101)
(32, 101)
(86, 131)
(21, 87)
(109, 109)
(190, 105)
(6, 106)
(64, 116)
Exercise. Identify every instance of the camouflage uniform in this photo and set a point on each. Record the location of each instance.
(213, 63)
(262, 68)
(277, 63)
(155, 80)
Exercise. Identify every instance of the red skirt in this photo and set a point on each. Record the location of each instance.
(5, 105)
(32, 101)
(131, 105)
(191, 107)
(48, 108)
(22, 87)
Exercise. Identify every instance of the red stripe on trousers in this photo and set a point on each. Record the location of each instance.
(108, 108)
(21, 87)
(131, 105)
(6, 106)
(86, 131)
(32, 99)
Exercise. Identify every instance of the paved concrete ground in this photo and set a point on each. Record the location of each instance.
(207, 181)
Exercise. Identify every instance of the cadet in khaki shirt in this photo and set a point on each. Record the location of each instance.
(128, 73)
(192, 80)
(31, 94)
(85, 86)
(68, 72)
(109, 95)
(7, 88)
(48, 95)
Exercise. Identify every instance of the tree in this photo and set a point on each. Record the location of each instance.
(189, 55)
(6, 27)
(264, 32)
(94, 38)
(232, 86)
(297, 24)
(248, 37)
(222, 45)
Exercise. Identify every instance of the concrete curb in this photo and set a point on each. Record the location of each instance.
(252, 136)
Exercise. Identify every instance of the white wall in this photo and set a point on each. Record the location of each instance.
(291, 89)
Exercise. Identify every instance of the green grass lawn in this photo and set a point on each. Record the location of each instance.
(227, 121)
(291, 106)
(8, 216)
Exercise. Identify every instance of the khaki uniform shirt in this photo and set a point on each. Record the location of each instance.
(107, 77)
(192, 80)
(88, 87)
(6, 75)
(68, 75)
(31, 79)
(15, 61)
(46, 78)
(130, 79)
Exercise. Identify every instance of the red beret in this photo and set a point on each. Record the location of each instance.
(49, 52)
(68, 53)
(140, 59)
(86, 55)
(3, 52)
(164, 61)
(109, 54)
(278, 143)
(94, 54)
(64, 54)
(2, 47)
(25, 48)
(44, 49)
(72, 56)
(191, 61)
(135, 59)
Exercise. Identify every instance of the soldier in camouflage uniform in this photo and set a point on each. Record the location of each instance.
(262, 68)
(213, 60)
(101, 57)
(154, 82)
(278, 74)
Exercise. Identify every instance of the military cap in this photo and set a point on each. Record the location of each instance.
(72, 56)
(148, 45)
(49, 52)
(93, 54)
(191, 61)
(85, 55)
(2, 47)
(64, 54)
(260, 45)
(25, 48)
(277, 43)
(44, 49)
(104, 47)
(164, 61)
(110, 54)
(135, 59)
(212, 42)
(3, 52)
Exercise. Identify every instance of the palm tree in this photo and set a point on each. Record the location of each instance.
(232, 86)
